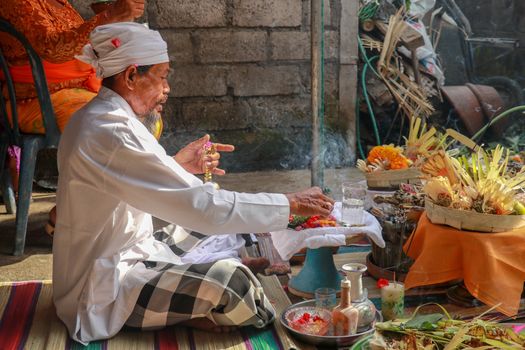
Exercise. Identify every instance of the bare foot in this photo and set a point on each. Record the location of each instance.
(256, 265)
(50, 225)
(53, 215)
(206, 325)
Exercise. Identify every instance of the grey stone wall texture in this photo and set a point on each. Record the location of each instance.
(241, 72)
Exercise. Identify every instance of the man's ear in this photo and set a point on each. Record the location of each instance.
(130, 76)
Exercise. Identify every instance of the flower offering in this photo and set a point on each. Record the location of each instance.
(310, 321)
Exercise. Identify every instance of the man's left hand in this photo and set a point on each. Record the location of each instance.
(194, 160)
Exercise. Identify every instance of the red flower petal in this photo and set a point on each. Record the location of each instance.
(115, 42)
(382, 283)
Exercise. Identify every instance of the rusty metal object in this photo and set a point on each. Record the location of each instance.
(491, 104)
(466, 105)
(476, 105)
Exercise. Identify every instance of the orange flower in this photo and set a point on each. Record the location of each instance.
(399, 162)
(390, 155)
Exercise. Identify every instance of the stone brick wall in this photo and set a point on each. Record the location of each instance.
(241, 72)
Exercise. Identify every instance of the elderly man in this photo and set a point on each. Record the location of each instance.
(110, 270)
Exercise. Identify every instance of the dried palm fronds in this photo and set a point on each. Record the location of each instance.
(376, 165)
(440, 164)
(440, 331)
(396, 27)
(371, 44)
(481, 182)
(486, 175)
(420, 144)
(420, 140)
(408, 94)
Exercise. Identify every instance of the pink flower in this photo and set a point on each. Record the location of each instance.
(518, 329)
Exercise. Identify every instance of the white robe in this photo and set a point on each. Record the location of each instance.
(113, 176)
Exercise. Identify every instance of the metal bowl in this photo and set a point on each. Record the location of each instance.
(293, 316)
(326, 340)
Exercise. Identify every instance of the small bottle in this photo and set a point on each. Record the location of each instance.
(345, 316)
(367, 310)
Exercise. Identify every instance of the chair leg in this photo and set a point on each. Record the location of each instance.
(8, 192)
(25, 188)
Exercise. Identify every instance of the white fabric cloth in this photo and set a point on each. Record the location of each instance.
(114, 47)
(113, 176)
(288, 242)
(215, 248)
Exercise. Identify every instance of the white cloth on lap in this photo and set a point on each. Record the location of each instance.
(288, 242)
(215, 248)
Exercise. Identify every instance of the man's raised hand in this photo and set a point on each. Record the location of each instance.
(125, 11)
(310, 202)
(194, 160)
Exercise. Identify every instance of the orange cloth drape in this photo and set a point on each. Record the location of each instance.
(492, 265)
(57, 33)
(57, 73)
(65, 102)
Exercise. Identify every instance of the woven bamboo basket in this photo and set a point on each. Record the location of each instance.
(391, 179)
(471, 220)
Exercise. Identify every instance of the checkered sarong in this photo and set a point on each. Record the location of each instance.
(226, 292)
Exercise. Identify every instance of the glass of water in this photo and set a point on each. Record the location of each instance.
(354, 194)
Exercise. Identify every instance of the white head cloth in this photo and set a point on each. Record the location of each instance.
(115, 47)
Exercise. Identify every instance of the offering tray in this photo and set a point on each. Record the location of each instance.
(319, 270)
(471, 220)
(326, 340)
(364, 342)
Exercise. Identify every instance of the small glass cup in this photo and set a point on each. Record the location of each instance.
(325, 298)
(393, 301)
(354, 195)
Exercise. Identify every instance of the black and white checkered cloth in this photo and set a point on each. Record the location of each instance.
(226, 292)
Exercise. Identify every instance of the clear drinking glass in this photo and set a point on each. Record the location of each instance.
(393, 301)
(325, 298)
(354, 194)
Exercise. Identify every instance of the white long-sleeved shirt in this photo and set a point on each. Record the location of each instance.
(113, 176)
